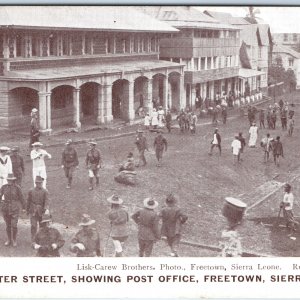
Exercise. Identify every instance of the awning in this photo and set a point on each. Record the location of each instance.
(247, 73)
(92, 70)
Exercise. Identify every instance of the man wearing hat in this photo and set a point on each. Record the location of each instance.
(118, 217)
(69, 161)
(277, 148)
(86, 242)
(48, 240)
(34, 127)
(17, 164)
(160, 144)
(141, 144)
(93, 163)
(287, 206)
(216, 141)
(172, 221)
(236, 148)
(11, 199)
(148, 231)
(5, 165)
(37, 204)
(38, 162)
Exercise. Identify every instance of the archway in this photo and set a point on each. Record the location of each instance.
(140, 93)
(89, 101)
(21, 101)
(174, 91)
(62, 111)
(120, 99)
(158, 90)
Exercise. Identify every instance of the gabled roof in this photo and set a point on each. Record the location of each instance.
(107, 18)
(256, 34)
(184, 17)
(284, 49)
(226, 18)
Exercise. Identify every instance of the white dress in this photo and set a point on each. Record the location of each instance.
(253, 136)
(5, 169)
(154, 120)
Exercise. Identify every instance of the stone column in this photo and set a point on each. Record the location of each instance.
(76, 107)
(48, 104)
(181, 92)
(193, 95)
(165, 92)
(149, 105)
(107, 103)
(100, 105)
(131, 112)
(43, 111)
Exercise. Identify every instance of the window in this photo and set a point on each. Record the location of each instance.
(196, 62)
(127, 44)
(219, 62)
(202, 63)
(295, 37)
(215, 62)
(208, 63)
(19, 45)
(136, 44)
(285, 37)
(153, 49)
(204, 33)
(88, 47)
(34, 46)
(176, 59)
(65, 45)
(291, 62)
(52, 45)
(216, 34)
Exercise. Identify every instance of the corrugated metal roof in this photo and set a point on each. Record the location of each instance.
(117, 18)
(184, 17)
(246, 73)
(227, 18)
(284, 49)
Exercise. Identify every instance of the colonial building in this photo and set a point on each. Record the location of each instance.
(208, 48)
(255, 49)
(287, 39)
(80, 65)
(288, 59)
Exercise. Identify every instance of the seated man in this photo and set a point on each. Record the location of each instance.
(126, 173)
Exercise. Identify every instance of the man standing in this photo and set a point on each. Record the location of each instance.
(38, 162)
(287, 206)
(5, 165)
(37, 205)
(160, 144)
(169, 120)
(236, 148)
(86, 242)
(93, 163)
(277, 150)
(11, 199)
(193, 122)
(291, 125)
(34, 127)
(172, 221)
(17, 165)
(261, 119)
(224, 114)
(48, 240)
(266, 143)
(69, 162)
(148, 231)
(243, 145)
(216, 141)
(141, 144)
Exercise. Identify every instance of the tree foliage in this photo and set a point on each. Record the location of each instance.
(278, 74)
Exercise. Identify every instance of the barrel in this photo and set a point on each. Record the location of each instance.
(234, 209)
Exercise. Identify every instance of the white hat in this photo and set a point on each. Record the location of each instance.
(37, 144)
(34, 110)
(150, 203)
(4, 148)
(115, 199)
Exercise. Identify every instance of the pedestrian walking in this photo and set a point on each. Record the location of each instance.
(118, 217)
(86, 242)
(172, 221)
(253, 133)
(283, 118)
(243, 145)
(169, 120)
(48, 239)
(216, 142)
(11, 201)
(236, 148)
(34, 128)
(17, 161)
(224, 114)
(38, 156)
(277, 148)
(93, 162)
(287, 206)
(291, 125)
(148, 227)
(142, 145)
(37, 205)
(266, 143)
(261, 119)
(5, 165)
(69, 161)
(160, 144)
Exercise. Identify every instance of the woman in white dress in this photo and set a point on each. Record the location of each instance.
(154, 118)
(253, 132)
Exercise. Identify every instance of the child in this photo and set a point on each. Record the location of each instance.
(147, 121)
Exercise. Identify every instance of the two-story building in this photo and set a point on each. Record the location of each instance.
(288, 59)
(255, 50)
(80, 65)
(208, 48)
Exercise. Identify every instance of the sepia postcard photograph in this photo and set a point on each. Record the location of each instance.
(130, 132)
